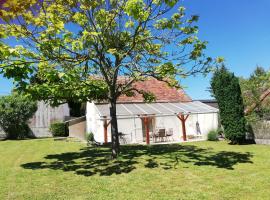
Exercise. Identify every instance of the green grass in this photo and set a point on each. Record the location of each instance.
(47, 169)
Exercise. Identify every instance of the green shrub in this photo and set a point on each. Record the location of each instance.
(220, 131)
(90, 138)
(58, 129)
(212, 135)
(15, 111)
(226, 90)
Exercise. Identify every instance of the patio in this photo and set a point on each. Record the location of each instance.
(159, 122)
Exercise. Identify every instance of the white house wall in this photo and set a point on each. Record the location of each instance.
(170, 122)
(132, 127)
(94, 125)
(208, 122)
(132, 130)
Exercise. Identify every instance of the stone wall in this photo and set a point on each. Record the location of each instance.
(261, 132)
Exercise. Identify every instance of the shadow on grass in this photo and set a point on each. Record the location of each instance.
(92, 161)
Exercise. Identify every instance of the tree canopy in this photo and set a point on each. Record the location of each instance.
(255, 90)
(78, 49)
(15, 111)
(61, 43)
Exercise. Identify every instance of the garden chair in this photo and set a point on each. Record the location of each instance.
(153, 135)
(162, 134)
(122, 137)
(169, 134)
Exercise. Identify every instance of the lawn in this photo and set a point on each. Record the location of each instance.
(48, 169)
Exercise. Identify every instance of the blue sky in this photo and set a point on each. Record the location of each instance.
(238, 30)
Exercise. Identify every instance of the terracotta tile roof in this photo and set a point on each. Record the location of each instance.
(162, 91)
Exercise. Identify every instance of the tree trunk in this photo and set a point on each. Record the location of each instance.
(114, 130)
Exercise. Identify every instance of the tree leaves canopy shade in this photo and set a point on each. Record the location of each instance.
(78, 48)
(226, 90)
(255, 90)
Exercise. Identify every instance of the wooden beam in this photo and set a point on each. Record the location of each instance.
(184, 130)
(145, 120)
(183, 122)
(147, 130)
(105, 128)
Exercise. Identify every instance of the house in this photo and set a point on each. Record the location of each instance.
(210, 102)
(173, 113)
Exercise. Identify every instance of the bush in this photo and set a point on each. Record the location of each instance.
(212, 135)
(220, 132)
(15, 111)
(90, 138)
(58, 129)
(226, 90)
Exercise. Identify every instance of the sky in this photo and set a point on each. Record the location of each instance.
(238, 30)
